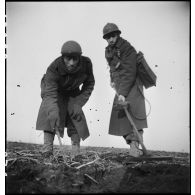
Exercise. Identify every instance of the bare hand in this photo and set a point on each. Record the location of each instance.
(54, 120)
(122, 101)
(121, 98)
(112, 84)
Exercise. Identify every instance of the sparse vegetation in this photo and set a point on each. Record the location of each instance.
(94, 170)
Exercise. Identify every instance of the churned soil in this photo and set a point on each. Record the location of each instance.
(94, 170)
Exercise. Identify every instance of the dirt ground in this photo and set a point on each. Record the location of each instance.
(109, 170)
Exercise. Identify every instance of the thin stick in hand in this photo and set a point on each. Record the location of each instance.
(58, 135)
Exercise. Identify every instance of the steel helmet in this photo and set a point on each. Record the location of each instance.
(109, 28)
(71, 47)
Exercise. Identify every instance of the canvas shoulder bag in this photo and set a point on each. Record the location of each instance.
(145, 73)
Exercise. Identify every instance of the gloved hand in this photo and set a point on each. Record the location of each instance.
(75, 111)
(54, 120)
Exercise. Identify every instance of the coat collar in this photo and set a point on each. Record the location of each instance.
(119, 42)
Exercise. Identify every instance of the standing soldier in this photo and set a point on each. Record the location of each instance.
(121, 57)
(65, 88)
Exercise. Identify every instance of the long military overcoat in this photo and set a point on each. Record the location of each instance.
(60, 89)
(122, 62)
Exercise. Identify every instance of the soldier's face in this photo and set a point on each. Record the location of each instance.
(111, 38)
(71, 62)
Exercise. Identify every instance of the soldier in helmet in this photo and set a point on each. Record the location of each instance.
(121, 57)
(65, 88)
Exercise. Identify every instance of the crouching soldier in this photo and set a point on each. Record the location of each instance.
(65, 88)
(121, 57)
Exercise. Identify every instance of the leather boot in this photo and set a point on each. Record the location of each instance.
(134, 146)
(134, 149)
(75, 141)
(47, 149)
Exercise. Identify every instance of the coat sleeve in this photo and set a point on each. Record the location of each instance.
(51, 90)
(87, 87)
(127, 70)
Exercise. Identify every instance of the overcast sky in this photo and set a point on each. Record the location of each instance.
(37, 30)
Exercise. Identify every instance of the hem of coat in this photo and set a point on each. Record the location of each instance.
(83, 138)
(111, 132)
(61, 133)
(116, 134)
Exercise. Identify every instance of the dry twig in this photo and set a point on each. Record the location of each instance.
(97, 158)
(91, 178)
(74, 163)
